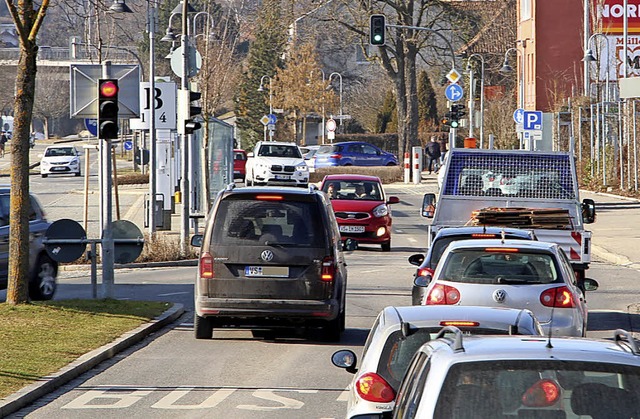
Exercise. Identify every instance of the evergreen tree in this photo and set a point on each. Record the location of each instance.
(427, 105)
(387, 121)
(265, 57)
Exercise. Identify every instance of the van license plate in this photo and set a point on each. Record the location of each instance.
(279, 271)
(352, 229)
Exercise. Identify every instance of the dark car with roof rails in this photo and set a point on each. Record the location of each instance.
(271, 259)
(42, 269)
(427, 263)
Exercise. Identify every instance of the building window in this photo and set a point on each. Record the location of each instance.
(525, 10)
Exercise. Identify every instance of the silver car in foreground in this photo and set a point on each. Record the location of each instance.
(515, 274)
(479, 377)
(397, 334)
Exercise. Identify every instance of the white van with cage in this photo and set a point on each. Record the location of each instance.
(533, 190)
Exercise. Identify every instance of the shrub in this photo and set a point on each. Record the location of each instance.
(387, 174)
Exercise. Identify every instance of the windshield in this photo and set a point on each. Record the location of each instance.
(54, 152)
(353, 189)
(273, 150)
(496, 267)
(534, 388)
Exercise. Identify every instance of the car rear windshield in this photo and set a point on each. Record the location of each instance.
(539, 389)
(500, 267)
(251, 220)
(273, 150)
(328, 149)
(441, 244)
(239, 156)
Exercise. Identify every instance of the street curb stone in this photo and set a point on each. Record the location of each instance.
(32, 392)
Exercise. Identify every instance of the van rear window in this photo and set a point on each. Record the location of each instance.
(249, 221)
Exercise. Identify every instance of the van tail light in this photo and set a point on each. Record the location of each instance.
(206, 265)
(425, 272)
(559, 297)
(328, 269)
(335, 156)
(373, 388)
(443, 295)
(543, 393)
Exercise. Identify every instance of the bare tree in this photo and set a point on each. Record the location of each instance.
(28, 18)
(49, 103)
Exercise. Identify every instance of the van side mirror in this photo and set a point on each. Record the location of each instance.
(588, 211)
(428, 205)
(590, 284)
(196, 240)
(350, 245)
(416, 259)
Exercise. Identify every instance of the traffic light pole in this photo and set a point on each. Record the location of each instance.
(106, 247)
(184, 137)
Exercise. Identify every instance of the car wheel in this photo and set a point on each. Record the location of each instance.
(391, 164)
(386, 246)
(203, 327)
(78, 173)
(43, 175)
(43, 280)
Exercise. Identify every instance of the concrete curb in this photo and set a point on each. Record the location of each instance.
(34, 391)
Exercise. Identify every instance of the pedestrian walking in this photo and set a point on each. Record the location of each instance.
(443, 149)
(3, 142)
(432, 151)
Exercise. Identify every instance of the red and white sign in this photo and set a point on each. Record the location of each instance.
(610, 16)
(331, 125)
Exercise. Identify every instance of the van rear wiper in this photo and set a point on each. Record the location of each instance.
(504, 280)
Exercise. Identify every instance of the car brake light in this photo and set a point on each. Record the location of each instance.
(425, 272)
(335, 156)
(269, 197)
(443, 295)
(501, 249)
(542, 394)
(206, 265)
(559, 297)
(328, 269)
(373, 388)
(459, 323)
(483, 236)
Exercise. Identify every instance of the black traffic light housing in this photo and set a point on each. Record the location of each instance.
(107, 109)
(190, 125)
(377, 26)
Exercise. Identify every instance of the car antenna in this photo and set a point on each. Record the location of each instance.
(553, 307)
(503, 235)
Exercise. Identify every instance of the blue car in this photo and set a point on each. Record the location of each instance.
(353, 153)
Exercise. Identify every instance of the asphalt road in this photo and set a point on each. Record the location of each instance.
(170, 374)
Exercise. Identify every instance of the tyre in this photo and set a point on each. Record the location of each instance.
(203, 327)
(386, 246)
(44, 175)
(78, 173)
(43, 279)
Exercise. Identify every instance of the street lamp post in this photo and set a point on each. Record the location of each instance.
(506, 69)
(341, 110)
(324, 77)
(589, 58)
(261, 89)
(472, 102)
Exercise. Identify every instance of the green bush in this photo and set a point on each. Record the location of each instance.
(387, 174)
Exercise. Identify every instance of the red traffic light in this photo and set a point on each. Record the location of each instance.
(108, 89)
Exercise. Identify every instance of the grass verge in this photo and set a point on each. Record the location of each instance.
(38, 339)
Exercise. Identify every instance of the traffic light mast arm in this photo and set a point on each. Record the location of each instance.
(421, 28)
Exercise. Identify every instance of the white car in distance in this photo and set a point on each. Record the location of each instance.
(58, 159)
(276, 163)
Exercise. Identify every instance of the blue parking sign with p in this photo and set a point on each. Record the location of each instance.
(532, 120)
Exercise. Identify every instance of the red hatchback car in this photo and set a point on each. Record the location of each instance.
(361, 208)
(239, 163)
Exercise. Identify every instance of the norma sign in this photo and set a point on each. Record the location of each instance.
(165, 105)
(611, 15)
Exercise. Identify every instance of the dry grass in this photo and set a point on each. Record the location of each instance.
(164, 247)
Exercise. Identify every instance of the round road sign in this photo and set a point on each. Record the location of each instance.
(67, 240)
(331, 125)
(127, 241)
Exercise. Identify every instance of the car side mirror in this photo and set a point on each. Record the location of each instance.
(196, 240)
(416, 259)
(588, 211)
(345, 359)
(590, 284)
(428, 205)
(393, 200)
(422, 281)
(350, 245)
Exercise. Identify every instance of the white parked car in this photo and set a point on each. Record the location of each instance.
(276, 163)
(397, 334)
(58, 159)
(514, 274)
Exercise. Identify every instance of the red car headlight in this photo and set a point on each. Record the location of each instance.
(381, 210)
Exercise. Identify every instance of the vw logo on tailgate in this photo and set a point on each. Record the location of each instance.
(499, 296)
(266, 255)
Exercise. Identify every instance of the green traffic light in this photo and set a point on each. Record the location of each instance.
(377, 38)
(454, 124)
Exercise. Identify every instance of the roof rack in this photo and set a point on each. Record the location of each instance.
(231, 186)
(620, 335)
(456, 344)
(313, 187)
